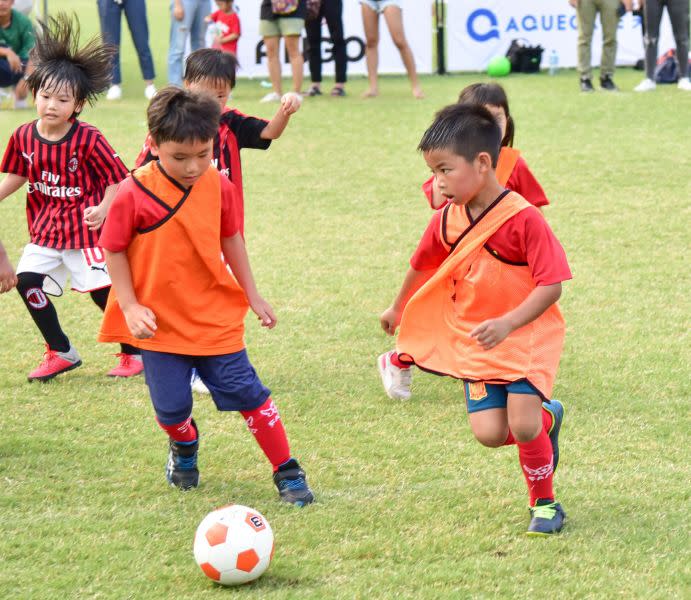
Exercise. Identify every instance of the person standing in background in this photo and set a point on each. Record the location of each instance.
(678, 11)
(587, 10)
(332, 11)
(110, 17)
(187, 21)
(16, 41)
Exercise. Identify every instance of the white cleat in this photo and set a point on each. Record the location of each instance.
(396, 381)
(271, 97)
(198, 385)
(114, 93)
(150, 91)
(647, 85)
(684, 84)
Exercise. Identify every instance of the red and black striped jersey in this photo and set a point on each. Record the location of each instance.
(64, 178)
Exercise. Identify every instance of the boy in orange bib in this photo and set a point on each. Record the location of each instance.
(479, 302)
(169, 228)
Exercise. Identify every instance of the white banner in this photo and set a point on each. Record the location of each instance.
(417, 23)
(478, 30)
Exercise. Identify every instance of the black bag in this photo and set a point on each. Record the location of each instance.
(667, 69)
(523, 57)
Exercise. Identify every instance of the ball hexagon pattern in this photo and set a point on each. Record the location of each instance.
(233, 545)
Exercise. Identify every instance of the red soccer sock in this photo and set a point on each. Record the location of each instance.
(267, 428)
(180, 432)
(396, 362)
(546, 425)
(536, 462)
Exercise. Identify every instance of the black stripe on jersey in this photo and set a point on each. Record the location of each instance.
(171, 211)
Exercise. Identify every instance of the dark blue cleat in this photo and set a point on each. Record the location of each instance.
(556, 409)
(181, 469)
(292, 485)
(546, 518)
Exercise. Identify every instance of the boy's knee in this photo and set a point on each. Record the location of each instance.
(525, 432)
(28, 281)
(490, 440)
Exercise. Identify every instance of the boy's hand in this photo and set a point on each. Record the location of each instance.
(7, 277)
(264, 312)
(491, 332)
(141, 321)
(390, 319)
(94, 216)
(290, 103)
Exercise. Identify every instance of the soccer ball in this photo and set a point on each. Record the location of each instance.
(233, 545)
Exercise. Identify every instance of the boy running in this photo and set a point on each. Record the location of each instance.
(479, 302)
(168, 229)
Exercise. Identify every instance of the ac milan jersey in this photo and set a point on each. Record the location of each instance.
(64, 178)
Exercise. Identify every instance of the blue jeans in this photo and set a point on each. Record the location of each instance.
(193, 27)
(110, 15)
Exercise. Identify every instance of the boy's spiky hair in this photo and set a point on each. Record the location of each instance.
(466, 130)
(211, 64)
(59, 61)
(178, 115)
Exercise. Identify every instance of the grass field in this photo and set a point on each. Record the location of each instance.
(409, 505)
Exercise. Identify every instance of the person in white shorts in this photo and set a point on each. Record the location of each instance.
(393, 15)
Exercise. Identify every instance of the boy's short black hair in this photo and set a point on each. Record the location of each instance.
(177, 115)
(59, 61)
(466, 130)
(213, 64)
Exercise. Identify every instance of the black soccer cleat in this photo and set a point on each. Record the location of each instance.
(292, 485)
(607, 84)
(547, 518)
(181, 469)
(587, 85)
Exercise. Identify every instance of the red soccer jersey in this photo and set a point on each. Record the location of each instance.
(525, 239)
(64, 178)
(228, 23)
(134, 210)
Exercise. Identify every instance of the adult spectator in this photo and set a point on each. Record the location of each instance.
(110, 15)
(273, 26)
(332, 12)
(587, 10)
(187, 21)
(16, 41)
(393, 15)
(678, 11)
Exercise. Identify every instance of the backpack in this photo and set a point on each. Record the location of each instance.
(284, 7)
(523, 57)
(667, 69)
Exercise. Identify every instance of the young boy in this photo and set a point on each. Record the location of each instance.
(228, 23)
(72, 172)
(183, 307)
(479, 302)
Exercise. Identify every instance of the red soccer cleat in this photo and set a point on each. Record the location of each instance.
(54, 363)
(130, 365)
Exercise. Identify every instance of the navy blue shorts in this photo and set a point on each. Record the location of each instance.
(231, 379)
(483, 396)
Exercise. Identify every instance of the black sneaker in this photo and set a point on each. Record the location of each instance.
(292, 484)
(313, 91)
(587, 85)
(181, 470)
(338, 92)
(547, 518)
(607, 84)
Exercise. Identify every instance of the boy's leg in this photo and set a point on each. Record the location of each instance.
(235, 386)
(168, 376)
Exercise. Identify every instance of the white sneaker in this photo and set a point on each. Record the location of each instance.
(150, 91)
(396, 381)
(198, 385)
(114, 93)
(684, 84)
(271, 97)
(647, 85)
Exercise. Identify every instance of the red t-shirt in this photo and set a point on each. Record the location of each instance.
(133, 210)
(64, 177)
(229, 23)
(521, 181)
(525, 239)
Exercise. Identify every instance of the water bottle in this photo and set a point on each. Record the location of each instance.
(553, 62)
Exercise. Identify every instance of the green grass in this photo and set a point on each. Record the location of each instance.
(409, 505)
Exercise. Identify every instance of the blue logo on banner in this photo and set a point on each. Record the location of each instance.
(483, 14)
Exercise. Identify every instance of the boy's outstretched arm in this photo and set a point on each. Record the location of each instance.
(235, 254)
(7, 277)
(491, 332)
(412, 282)
(290, 104)
(140, 319)
(10, 185)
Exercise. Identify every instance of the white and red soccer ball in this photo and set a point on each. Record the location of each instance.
(234, 545)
